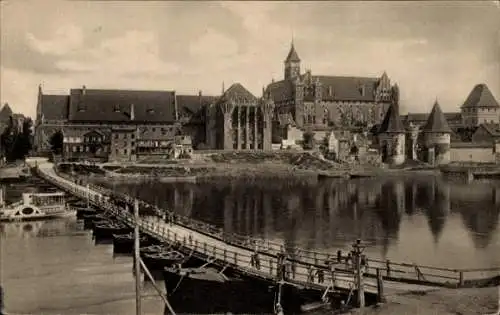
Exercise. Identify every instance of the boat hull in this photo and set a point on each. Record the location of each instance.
(107, 230)
(125, 245)
(36, 217)
(190, 295)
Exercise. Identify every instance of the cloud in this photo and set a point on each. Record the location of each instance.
(67, 38)
(133, 53)
(213, 45)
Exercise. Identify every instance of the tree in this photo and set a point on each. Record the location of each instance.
(17, 142)
(56, 142)
(308, 140)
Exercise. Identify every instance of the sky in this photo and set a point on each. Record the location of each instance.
(430, 49)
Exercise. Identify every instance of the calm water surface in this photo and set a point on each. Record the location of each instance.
(423, 219)
(54, 267)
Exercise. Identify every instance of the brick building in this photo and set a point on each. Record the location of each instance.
(238, 120)
(98, 123)
(320, 101)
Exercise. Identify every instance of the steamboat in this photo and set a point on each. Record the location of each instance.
(35, 206)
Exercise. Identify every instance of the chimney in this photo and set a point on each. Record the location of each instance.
(132, 112)
(84, 89)
(223, 89)
(40, 89)
(200, 94)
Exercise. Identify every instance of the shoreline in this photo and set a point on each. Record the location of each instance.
(209, 172)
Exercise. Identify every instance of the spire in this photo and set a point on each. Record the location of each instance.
(292, 54)
(436, 121)
(223, 89)
(392, 121)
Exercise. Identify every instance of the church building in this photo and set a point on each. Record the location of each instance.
(320, 101)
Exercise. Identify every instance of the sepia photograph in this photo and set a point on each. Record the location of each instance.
(249, 157)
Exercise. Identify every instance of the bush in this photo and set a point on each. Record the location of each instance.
(308, 140)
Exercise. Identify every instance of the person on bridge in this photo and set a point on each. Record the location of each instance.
(339, 256)
(321, 275)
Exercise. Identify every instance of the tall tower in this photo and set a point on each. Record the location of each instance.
(292, 64)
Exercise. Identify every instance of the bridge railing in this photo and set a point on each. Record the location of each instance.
(404, 272)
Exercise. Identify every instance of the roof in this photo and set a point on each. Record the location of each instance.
(436, 121)
(480, 96)
(237, 94)
(191, 106)
(193, 103)
(392, 122)
(292, 55)
(5, 112)
(421, 118)
(116, 105)
(55, 107)
(492, 129)
(334, 88)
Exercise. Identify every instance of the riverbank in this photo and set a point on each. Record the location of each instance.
(483, 301)
(248, 165)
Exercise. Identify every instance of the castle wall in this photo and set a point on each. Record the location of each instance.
(441, 144)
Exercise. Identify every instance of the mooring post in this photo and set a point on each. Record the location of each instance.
(137, 260)
(357, 250)
(380, 287)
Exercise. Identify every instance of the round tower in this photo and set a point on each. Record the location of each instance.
(437, 137)
(391, 137)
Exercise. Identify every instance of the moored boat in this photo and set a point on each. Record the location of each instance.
(35, 206)
(90, 219)
(209, 291)
(162, 259)
(107, 229)
(124, 243)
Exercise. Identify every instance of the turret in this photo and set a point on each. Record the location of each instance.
(292, 64)
(437, 137)
(391, 135)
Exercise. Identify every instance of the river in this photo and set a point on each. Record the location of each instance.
(54, 267)
(420, 219)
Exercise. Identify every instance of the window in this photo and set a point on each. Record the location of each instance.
(125, 151)
(132, 143)
(153, 129)
(132, 136)
(116, 136)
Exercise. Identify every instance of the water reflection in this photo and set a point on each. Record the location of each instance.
(405, 218)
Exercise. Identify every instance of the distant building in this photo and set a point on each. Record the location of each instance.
(120, 117)
(487, 133)
(318, 101)
(480, 107)
(436, 137)
(238, 120)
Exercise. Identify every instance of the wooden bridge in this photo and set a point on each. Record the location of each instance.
(211, 243)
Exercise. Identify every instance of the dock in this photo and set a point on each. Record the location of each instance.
(211, 244)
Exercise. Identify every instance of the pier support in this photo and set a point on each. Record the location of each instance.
(137, 258)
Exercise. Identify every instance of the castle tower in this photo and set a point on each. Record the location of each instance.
(411, 141)
(292, 64)
(391, 137)
(436, 137)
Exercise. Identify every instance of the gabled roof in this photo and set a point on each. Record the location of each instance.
(436, 121)
(115, 105)
(55, 107)
(392, 122)
(492, 129)
(334, 88)
(5, 112)
(193, 103)
(238, 94)
(480, 97)
(292, 55)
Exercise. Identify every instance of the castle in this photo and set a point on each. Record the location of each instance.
(431, 143)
